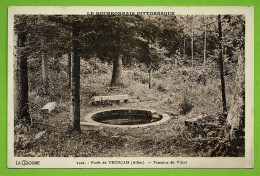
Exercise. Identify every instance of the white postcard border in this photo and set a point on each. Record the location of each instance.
(145, 162)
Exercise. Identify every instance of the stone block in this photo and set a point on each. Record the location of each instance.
(153, 111)
(190, 122)
(109, 99)
(156, 116)
(90, 126)
(49, 107)
(39, 134)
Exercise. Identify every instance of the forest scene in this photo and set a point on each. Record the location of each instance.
(189, 67)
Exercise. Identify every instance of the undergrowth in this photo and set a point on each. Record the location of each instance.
(181, 92)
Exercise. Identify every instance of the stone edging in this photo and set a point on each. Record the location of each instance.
(88, 118)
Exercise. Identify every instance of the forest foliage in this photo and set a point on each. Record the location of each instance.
(70, 58)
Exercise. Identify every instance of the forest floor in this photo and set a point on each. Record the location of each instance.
(50, 136)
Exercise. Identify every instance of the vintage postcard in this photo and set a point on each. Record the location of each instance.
(130, 87)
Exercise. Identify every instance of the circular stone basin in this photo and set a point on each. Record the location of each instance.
(126, 117)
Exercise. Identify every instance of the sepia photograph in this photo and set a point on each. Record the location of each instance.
(126, 83)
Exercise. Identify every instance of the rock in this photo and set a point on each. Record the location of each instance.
(109, 99)
(156, 116)
(90, 126)
(49, 107)
(39, 134)
(201, 119)
(190, 122)
(32, 154)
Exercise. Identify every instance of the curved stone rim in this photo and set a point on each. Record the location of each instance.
(88, 118)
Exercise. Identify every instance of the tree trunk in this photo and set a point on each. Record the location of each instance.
(43, 63)
(75, 78)
(117, 71)
(150, 77)
(184, 47)
(205, 45)
(236, 113)
(192, 47)
(21, 108)
(234, 143)
(69, 69)
(44, 76)
(43, 70)
(223, 89)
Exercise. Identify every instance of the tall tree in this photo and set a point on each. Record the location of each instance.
(236, 113)
(205, 44)
(200, 30)
(192, 48)
(43, 68)
(21, 71)
(171, 34)
(43, 64)
(149, 50)
(71, 27)
(69, 69)
(222, 78)
(28, 30)
(113, 39)
(75, 76)
(117, 69)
